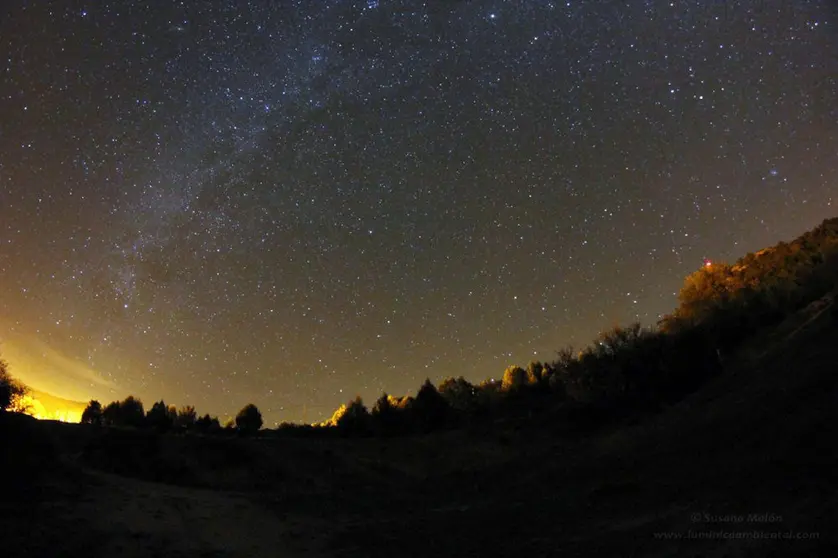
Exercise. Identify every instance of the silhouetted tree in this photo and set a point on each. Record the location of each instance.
(403, 403)
(706, 289)
(535, 372)
(161, 417)
(460, 394)
(616, 341)
(111, 414)
(249, 420)
(385, 416)
(186, 417)
(208, 425)
(128, 412)
(560, 370)
(355, 419)
(514, 378)
(10, 389)
(92, 413)
(430, 409)
(489, 395)
(336, 416)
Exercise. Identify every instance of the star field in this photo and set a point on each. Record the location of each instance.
(290, 203)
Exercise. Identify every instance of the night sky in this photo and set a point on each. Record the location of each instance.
(291, 203)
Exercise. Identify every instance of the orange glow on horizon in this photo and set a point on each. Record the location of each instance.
(30, 405)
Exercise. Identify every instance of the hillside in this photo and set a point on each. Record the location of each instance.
(748, 453)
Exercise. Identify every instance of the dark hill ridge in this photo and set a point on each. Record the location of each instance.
(748, 454)
(755, 441)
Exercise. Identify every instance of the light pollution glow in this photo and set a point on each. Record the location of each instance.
(59, 386)
(35, 407)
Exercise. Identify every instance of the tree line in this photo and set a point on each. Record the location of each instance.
(625, 369)
(164, 418)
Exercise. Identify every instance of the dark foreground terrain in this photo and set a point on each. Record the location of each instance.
(748, 458)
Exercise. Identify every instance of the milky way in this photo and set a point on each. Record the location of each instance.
(290, 203)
